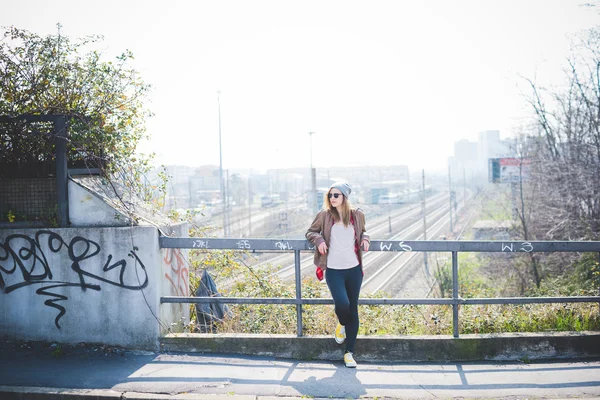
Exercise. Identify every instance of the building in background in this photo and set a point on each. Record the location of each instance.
(490, 146)
(470, 159)
(465, 159)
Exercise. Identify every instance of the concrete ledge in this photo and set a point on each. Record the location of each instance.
(45, 393)
(497, 347)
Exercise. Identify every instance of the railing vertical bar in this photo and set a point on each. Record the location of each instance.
(298, 292)
(455, 294)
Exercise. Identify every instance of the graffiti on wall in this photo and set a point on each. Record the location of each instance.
(24, 262)
(175, 261)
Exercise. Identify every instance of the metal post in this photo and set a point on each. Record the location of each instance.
(513, 195)
(62, 191)
(313, 190)
(424, 223)
(249, 208)
(455, 294)
(190, 190)
(464, 188)
(298, 292)
(313, 179)
(227, 211)
(221, 183)
(450, 195)
(407, 191)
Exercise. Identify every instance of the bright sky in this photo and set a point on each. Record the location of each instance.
(380, 82)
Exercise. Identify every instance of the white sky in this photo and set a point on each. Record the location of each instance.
(380, 82)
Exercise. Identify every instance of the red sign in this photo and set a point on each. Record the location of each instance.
(513, 162)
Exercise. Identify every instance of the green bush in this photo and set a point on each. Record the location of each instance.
(236, 277)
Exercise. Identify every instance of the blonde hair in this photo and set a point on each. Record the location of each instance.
(344, 209)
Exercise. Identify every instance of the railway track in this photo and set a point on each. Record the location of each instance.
(391, 272)
(409, 216)
(407, 274)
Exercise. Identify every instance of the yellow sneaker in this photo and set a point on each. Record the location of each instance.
(349, 360)
(340, 333)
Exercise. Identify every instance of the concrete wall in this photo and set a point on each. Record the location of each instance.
(95, 285)
(87, 209)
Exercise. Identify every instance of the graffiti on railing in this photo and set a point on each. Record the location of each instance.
(383, 246)
(200, 244)
(389, 246)
(244, 244)
(24, 262)
(283, 246)
(175, 260)
(404, 247)
(525, 246)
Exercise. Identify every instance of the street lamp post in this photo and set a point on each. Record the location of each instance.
(221, 184)
(313, 179)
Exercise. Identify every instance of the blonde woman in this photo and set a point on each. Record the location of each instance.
(339, 236)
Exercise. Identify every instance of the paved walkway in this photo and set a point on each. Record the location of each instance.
(126, 374)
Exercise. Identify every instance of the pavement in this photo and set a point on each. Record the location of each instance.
(52, 371)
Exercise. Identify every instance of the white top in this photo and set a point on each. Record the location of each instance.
(341, 247)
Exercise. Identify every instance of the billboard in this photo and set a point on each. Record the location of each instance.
(507, 170)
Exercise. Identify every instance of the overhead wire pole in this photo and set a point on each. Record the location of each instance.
(464, 188)
(450, 196)
(249, 207)
(227, 211)
(313, 179)
(424, 224)
(221, 183)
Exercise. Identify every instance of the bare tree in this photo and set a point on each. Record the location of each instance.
(558, 198)
(566, 148)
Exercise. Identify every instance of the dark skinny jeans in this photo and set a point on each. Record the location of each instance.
(344, 285)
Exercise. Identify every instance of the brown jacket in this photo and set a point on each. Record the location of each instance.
(320, 231)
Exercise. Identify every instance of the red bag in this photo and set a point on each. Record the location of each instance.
(319, 273)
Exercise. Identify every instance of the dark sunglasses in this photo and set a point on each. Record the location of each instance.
(336, 195)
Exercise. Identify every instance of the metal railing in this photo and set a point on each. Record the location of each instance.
(296, 246)
(60, 139)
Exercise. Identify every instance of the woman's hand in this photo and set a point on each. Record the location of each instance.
(365, 245)
(323, 248)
